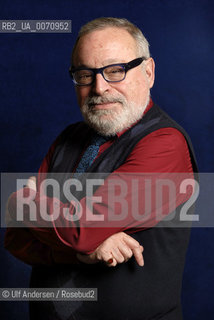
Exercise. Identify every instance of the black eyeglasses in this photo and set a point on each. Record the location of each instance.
(112, 73)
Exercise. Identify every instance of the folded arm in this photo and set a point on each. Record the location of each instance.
(162, 151)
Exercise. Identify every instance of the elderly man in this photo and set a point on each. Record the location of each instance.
(123, 132)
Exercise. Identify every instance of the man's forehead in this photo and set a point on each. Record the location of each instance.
(101, 37)
(105, 62)
(102, 62)
(109, 44)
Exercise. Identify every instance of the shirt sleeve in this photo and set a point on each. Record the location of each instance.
(164, 151)
(25, 245)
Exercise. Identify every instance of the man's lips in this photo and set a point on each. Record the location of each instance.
(101, 106)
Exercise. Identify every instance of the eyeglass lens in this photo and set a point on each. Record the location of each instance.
(112, 73)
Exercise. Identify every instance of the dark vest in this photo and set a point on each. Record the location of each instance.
(126, 291)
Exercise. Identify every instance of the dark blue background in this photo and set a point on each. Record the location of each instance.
(38, 101)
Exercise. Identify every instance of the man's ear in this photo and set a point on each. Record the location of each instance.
(150, 71)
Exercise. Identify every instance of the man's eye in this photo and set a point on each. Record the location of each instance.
(115, 70)
(84, 76)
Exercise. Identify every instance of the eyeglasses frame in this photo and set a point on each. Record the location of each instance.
(126, 66)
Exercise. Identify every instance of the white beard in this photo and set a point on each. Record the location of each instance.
(110, 122)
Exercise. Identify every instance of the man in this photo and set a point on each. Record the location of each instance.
(113, 74)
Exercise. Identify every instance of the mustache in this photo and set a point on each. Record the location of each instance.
(91, 101)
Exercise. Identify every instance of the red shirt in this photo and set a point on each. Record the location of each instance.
(162, 151)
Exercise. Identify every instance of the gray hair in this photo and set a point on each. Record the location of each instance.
(105, 22)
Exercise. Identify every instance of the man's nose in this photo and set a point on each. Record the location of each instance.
(100, 85)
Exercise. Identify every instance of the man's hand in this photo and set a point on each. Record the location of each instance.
(118, 248)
